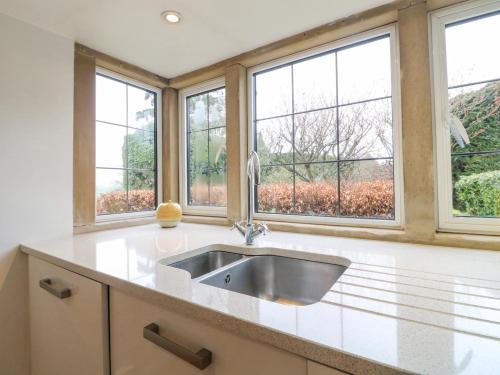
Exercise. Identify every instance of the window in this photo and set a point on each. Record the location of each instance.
(203, 167)
(126, 147)
(467, 115)
(326, 128)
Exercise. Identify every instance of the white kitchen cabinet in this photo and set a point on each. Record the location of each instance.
(131, 353)
(68, 322)
(314, 368)
(69, 318)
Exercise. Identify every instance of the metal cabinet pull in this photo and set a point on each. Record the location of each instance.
(200, 359)
(59, 293)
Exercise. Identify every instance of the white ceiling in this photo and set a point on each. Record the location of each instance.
(211, 30)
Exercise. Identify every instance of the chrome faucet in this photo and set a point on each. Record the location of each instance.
(251, 230)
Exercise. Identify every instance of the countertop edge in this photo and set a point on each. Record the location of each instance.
(338, 359)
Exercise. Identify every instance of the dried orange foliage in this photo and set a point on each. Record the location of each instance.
(363, 199)
(116, 202)
(199, 195)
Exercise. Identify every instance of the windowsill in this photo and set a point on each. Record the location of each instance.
(321, 229)
(204, 211)
(115, 224)
(389, 234)
(350, 222)
(125, 216)
(132, 222)
(472, 225)
(473, 241)
(209, 220)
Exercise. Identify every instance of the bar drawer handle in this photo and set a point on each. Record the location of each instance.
(59, 293)
(200, 359)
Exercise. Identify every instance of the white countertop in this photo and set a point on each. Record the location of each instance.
(414, 308)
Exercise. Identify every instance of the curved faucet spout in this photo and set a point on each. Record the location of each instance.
(253, 167)
(250, 230)
(253, 174)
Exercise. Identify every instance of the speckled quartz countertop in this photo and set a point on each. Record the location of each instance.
(398, 308)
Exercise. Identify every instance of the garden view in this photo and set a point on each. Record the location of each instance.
(473, 69)
(319, 156)
(476, 166)
(366, 188)
(125, 148)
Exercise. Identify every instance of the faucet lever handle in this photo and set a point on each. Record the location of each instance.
(265, 229)
(239, 225)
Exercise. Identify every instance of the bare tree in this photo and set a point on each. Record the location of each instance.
(357, 131)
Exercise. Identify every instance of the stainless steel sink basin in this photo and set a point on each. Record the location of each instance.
(279, 279)
(206, 262)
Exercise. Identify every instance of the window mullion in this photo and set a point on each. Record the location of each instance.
(126, 148)
(294, 197)
(337, 121)
(209, 174)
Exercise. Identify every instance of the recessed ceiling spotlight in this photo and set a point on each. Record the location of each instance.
(171, 16)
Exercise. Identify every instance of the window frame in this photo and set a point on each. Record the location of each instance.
(217, 211)
(398, 221)
(158, 144)
(444, 186)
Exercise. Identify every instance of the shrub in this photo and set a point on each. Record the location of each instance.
(116, 201)
(199, 195)
(275, 198)
(368, 199)
(141, 200)
(364, 199)
(479, 194)
(479, 112)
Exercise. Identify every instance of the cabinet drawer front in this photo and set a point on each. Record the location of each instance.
(131, 353)
(68, 322)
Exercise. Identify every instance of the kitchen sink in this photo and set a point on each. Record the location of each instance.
(279, 279)
(207, 262)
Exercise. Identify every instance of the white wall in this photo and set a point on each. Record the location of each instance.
(36, 128)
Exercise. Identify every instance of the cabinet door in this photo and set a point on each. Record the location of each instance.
(131, 353)
(314, 368)
(69, 322)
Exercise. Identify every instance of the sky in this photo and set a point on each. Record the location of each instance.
(364, 73)
(473, 51)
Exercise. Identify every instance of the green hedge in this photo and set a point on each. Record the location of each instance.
(479, 194)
